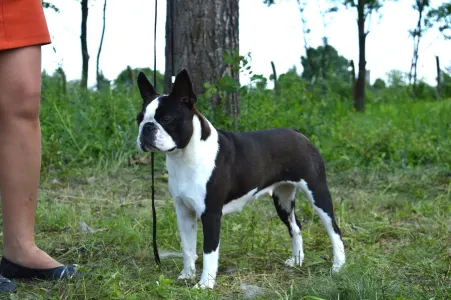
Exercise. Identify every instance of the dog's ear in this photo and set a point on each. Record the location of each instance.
(145, 87)
(183, 89)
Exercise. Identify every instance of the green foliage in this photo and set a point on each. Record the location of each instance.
(128, 77)
(396, 78)
(446, 85)
(48, 5)
(98, 127)
(379, 84)
(369, 5)
(442, 17)
(323, 62)
(85, 128)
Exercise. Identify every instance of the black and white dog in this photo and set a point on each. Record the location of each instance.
(214, 172)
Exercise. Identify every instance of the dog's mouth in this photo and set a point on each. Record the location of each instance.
(147, 148)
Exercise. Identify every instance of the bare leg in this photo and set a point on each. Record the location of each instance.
(20, 154)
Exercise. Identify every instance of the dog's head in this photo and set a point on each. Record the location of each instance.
(166, 121)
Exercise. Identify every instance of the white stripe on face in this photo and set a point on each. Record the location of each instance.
(163, 141)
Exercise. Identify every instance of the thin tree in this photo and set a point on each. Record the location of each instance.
(324, 61)
(420, 6)
(364, 8)
(305, 29)
(84, 44)
(98, 77)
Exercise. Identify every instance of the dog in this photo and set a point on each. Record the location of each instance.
(212, 173)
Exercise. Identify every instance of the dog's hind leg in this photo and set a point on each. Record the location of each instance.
(186, 220)
(284, 196)
(319, 196)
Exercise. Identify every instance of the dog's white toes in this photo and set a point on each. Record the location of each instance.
(336, 267)
(187, 275)
(204, 284)
(293, 262)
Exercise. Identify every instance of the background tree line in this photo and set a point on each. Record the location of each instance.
(200, 42)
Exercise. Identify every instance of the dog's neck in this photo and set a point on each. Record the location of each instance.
(203, 140)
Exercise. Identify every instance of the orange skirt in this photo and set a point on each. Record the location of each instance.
(22, 23)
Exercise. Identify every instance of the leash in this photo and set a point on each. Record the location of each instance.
(154, 214)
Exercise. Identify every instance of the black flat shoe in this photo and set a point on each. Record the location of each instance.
(15, 271)
(7, 286)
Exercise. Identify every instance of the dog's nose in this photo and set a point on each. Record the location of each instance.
(149, 128)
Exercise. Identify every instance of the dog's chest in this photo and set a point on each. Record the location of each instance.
(187, 180)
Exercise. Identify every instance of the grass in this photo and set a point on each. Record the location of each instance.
(396, 231)
(389, 171)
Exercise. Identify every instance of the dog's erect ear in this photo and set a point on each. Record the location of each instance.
(183, 89)
(145, 87)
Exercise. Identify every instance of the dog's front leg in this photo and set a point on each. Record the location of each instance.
(186, 220)
(211, 223)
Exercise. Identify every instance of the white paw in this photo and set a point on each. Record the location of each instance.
(294, 261)
(187, 275)
(336, 267)
(203, 284)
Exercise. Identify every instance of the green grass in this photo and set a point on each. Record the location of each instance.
(395, 224)
(389, 171)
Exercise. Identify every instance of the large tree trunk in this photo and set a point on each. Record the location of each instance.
(203, 31)
(100, 47)
(359, 100)
(84, 44)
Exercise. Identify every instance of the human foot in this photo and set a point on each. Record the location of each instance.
(30, 257)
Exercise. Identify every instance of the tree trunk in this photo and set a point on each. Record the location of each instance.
(439, 75)
(203, 30)
(359, 100)
(305, 32)
(274, 74)
(416, 46)
(351, 64)
(84, 44)
(100, 47)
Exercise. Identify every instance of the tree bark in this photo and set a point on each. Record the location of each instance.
(305, 32)
(84, 44)
(417, 33)
(274, 74)
(351, 64)
(439, 75)
(359, 100)
(203, 30)
(100, 47)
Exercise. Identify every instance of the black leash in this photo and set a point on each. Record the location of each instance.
(154, 214)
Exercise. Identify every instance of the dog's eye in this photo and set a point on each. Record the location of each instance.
(165, 120)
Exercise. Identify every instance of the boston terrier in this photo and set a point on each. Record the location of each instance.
(213, 173)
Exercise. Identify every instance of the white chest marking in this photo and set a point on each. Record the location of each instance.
(190, 168)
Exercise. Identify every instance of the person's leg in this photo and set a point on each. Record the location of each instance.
(20, 154)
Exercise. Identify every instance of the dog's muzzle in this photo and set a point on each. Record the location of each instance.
(147, 137)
